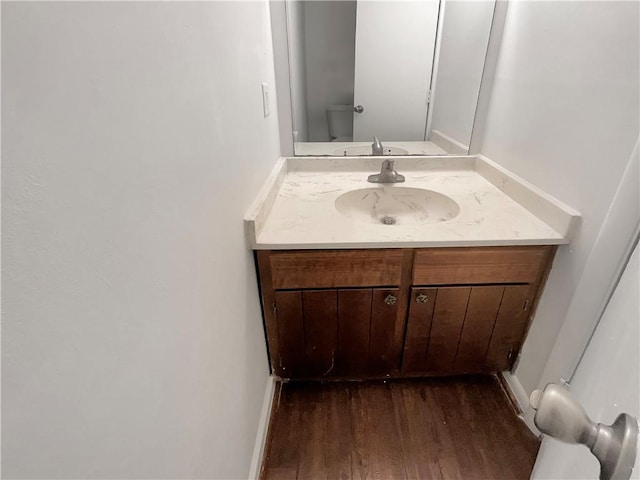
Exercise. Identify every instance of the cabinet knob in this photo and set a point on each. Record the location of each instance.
(422, 298)
(390, 300)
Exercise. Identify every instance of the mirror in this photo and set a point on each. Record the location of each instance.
(407, 72)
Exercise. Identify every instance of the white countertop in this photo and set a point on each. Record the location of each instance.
(296, 208)
(332, 148)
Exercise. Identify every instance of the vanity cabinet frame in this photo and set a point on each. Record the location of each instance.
(404, 312)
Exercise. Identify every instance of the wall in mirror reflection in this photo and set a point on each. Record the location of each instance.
(415, 67)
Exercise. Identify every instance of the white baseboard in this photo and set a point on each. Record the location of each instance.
(517, 390)
(263, 426)
(520, 395)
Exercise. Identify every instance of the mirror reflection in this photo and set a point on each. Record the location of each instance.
(406, 72)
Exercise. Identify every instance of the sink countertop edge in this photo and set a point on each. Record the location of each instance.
(557, 217)
(256, 215)
(409, 244)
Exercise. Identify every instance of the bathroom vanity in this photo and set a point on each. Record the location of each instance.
(389, 312)
(439, 292)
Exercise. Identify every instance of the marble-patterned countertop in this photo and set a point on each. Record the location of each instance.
(296, 208)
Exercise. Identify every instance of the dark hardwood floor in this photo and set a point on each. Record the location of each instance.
(461, 427)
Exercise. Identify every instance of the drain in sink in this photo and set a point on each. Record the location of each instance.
(388, 220)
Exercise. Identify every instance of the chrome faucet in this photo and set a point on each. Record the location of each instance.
(376, 147)
(387, 174)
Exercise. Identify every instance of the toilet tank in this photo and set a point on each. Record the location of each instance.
(340, 119)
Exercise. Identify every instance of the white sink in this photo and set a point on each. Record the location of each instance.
(366, 150)
(394, 205)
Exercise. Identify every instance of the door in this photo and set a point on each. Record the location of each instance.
(605, 382)
(393, 40)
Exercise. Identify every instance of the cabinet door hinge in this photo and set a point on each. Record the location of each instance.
(275, 309)
(428, 96)
(525, 305)
(513, 357)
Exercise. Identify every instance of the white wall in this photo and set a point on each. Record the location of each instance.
(330, 46)
(133, 140)
(297, 68)
(463, 47)
(564, 115)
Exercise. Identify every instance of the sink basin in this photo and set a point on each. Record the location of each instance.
(393, 205)
(366, 150)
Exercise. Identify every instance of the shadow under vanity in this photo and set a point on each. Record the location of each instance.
(347, 299)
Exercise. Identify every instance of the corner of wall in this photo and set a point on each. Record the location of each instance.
(488, 75)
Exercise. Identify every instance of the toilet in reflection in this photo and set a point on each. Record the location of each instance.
(340, 119)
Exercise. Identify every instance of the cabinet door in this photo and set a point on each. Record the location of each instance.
(422, 301)
(291, 361)
(355, 333)
(454, 330)
(307, 332)
(354, 328)
(436, 318)
(320, 313)
(480, 317)
(448, 319)
(387, 332)
(369, 332)
(509, 328)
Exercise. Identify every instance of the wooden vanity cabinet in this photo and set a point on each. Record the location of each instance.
(373, 313)
(334, 313)
(461, 329)
(469, 308)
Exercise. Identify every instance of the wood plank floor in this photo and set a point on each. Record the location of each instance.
(449, 428)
